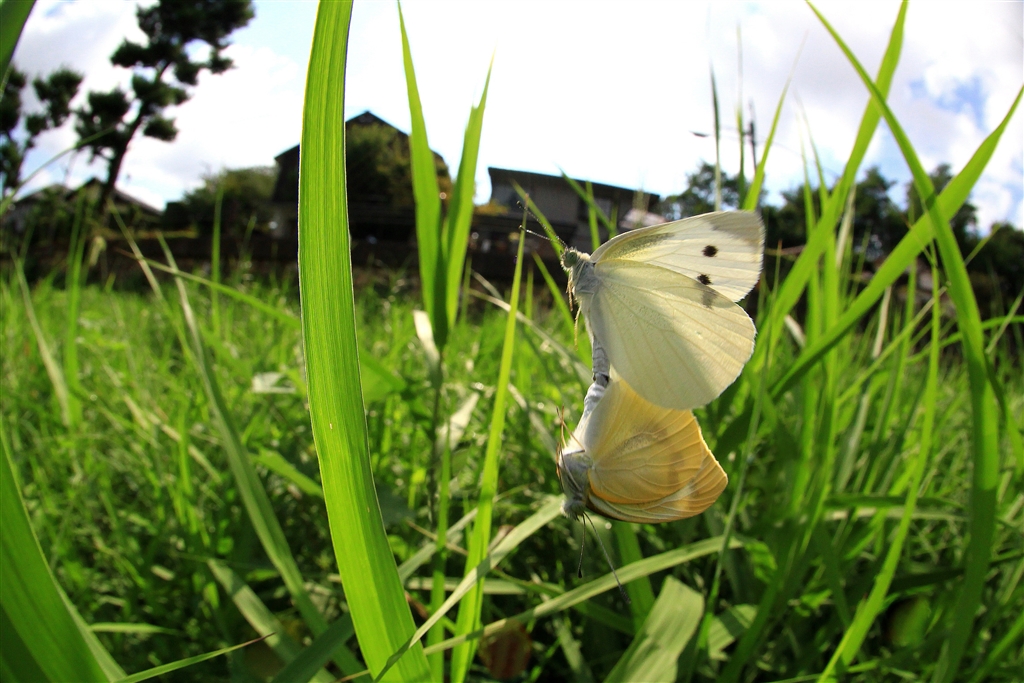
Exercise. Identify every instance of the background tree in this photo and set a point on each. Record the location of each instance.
(964, 223)
(699, 195)
(162, 71)
(246, 200)
(55, 93)
(378, 166)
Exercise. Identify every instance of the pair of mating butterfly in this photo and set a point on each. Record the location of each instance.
(660, 306)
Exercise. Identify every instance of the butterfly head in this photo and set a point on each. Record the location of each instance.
(573, 465)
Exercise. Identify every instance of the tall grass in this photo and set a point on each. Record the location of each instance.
(198, 469)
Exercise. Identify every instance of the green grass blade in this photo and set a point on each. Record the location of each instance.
(183, 663)
(375, 596)
(556, 243)
(588, 197)
(949, 202)
(312, 658)
(260, 618)
(869, 608)
(753, 198)
(654, 652)
(460, 211)
(985, 434)
(429, 238)
(550, 509)
(631, 572)
(41, 641)
(718, 142)
(13, 15)
(215, 261)
(480, 538)
(793, 286)
(53, 370)
(641, 594)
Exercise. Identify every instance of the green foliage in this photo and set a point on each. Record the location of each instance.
(246, 202)
(379, 171)
(162, 72)
(55, 93)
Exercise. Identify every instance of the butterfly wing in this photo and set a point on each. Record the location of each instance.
(723, 250)
(678, 342)
(650, 464)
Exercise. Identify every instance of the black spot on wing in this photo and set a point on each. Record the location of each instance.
(708, 298)
(710, 250)
(703, 279)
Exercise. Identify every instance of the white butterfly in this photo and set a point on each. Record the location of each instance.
(662, 302)
(631, 460)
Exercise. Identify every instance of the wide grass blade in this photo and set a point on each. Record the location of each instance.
(41, 641)
(654, 652)
(13, 15)
(480, 538)
(374, 593)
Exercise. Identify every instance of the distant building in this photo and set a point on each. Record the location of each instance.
(380, 200)
(134, 211)
(562, 206)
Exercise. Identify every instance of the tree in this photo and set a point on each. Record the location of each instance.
(55, 93)
(163, 70)
(699, 195)
(378, 166)
(246, 199)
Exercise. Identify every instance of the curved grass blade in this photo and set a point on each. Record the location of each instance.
(985, 436)
(429, 231)
(13, 15)
(183, 663)
(41, 639)
(374, 593)
(480, 538)
(654, 652)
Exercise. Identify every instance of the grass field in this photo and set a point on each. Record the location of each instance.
(200, 465)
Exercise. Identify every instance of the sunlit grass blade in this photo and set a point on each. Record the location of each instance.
(460, 209)
(374, 593)
(429, 237)
(41, 641)
(985, 435)
(672, 621)
(480, 538)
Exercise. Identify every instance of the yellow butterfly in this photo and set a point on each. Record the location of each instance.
(631, 460)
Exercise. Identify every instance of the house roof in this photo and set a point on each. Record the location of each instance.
(93, 183)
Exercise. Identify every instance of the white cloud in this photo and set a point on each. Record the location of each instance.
(606, 93)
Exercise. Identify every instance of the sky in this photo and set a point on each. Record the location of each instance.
(607, 92)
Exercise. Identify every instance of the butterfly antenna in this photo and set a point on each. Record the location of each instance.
(583, 544)
(607, 557)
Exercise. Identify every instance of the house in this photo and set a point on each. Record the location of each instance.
(380, 199)
(134, 211)
(561, 205)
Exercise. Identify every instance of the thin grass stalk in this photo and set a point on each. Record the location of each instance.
(53, 370)
(741, 177)
(949, 202)
(869, 609)
(595, 238)
(718, 143)
(215, 261)
(984, 433)
(373, 591)
(429, 229)
(73, 282)
(469, 608)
